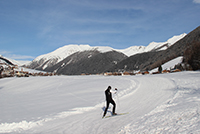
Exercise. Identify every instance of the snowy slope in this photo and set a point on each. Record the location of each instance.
(170, 64)
(20, 62)
(67, 50)
(169, 42)
(164, 103)
(15, 62)
(63, 52)
(132, 50)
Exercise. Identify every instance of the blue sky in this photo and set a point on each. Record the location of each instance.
(29, 28)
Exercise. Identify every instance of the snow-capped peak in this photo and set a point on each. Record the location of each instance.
(132, 50)
(63, 52)
(67, 50)
(176, 38)
(103, 49)
(164, 45)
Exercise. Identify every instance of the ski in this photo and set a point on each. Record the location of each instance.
(115, 115)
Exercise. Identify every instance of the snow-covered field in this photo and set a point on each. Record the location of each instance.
(163, 103)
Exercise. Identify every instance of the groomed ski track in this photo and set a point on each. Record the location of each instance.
(73, 104)
(132, 100)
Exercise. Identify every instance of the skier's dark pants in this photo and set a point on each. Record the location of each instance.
(107, 106)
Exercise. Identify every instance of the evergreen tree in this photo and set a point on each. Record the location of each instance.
(160, 69)
(192, 55)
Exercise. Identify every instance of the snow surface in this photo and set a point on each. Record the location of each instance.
(15, 62)
(21, 62)
(169, 42)
(162, 103)
(170, 64)
(29, 70)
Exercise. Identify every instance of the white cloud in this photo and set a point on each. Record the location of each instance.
(20, 57)
(10, 55)
(4, 52)
(196, 1)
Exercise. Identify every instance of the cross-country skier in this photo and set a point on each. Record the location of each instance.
(109, 100)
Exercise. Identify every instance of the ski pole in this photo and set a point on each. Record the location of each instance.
(117, 98)
(103, 108)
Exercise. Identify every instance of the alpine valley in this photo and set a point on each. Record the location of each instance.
(77, 59)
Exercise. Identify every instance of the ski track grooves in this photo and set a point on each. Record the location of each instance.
(87, 119)
(133, 101)
(75, 117)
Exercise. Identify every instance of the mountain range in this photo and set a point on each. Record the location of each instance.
(77, 59)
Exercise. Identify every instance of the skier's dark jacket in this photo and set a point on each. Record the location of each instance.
(108, 95)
